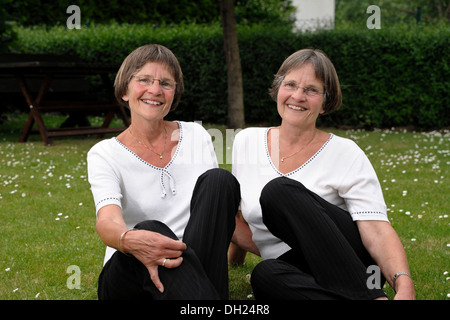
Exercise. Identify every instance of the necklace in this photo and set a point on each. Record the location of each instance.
(286, 157)
(152, 148)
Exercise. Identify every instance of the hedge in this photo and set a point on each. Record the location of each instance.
(51, 13)
(156, 12)
(389, 77)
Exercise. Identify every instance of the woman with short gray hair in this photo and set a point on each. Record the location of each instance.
(164, 209)
(312, 205)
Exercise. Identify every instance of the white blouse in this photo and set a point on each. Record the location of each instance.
(339, 172)
(146, 192)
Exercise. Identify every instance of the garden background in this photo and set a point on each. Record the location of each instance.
(395, 84)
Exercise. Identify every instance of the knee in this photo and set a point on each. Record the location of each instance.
(282, 196)
(219, 176)
(281, 186)
(281, 190)
(156, 226)
(223, 181)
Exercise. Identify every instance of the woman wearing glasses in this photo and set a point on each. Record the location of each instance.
(312, 206)
(164, 210)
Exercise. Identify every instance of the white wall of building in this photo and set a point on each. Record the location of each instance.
(312, 15)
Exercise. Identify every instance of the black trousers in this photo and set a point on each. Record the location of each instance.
(203, 274)
(327, 259)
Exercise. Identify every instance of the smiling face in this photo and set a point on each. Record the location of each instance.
(295, 106)
(146, 100)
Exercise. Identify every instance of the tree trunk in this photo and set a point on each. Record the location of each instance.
(234, 72)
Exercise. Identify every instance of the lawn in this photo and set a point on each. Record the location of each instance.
(48, 217)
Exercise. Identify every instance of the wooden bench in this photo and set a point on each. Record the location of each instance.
(51, 68)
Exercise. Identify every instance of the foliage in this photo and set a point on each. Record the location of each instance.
(156, 12)
(389, 77)
(432, 12)
(6, 32)
(264, 11)
(53, 13)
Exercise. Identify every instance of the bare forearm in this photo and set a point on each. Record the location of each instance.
(242, 237)
(384, 245)
(392, 260)
(110, 225)
(236, 255)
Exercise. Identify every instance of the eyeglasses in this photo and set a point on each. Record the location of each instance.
(165, 84)
(293, 87)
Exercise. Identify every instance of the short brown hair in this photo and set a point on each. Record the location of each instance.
(324, 70)
(137, 59)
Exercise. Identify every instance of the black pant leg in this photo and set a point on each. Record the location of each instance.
(125, 277)
(275, 279)
(214, 205)
(204, 271)
(325, 235)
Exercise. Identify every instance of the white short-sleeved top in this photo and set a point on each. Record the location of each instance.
(339, 172)
(146, 192)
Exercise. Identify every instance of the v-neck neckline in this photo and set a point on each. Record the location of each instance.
(180, 138)
(274, 167)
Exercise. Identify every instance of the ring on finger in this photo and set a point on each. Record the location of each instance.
(164, 262)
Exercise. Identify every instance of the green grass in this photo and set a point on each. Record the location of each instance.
(48, 216)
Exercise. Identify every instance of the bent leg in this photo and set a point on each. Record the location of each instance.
(275, 279)
(325, 235)
(214, 205)
(125, 277)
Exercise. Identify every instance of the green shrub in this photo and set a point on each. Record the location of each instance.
(390, 77)
(7, 34)
(155, 12)
(51, 13)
